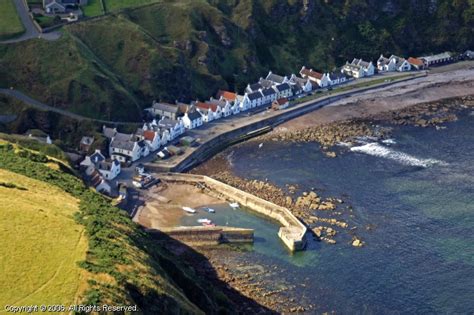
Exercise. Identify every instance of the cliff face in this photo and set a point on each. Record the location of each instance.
(113, 66)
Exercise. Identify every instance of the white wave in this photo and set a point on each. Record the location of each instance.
(230, 158)
(344, 144)
(389, 141)
(376, 149)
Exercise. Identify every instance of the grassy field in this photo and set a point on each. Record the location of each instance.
(93, 8)
(41, 241)
(10, 23)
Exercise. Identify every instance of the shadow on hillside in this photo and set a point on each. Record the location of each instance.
(195, 275)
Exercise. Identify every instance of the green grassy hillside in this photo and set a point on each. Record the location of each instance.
(42, 240)
(114, 66)
(118, 263)
(10, 23)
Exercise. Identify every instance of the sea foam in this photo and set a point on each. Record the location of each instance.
(376, 149)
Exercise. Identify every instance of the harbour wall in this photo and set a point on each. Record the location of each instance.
(292, 232)
(201, 236)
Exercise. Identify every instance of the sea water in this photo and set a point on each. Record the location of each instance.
(412, 201)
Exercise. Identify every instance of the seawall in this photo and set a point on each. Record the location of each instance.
(202, 236)
(292, 232)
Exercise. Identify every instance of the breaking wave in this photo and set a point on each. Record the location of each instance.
(230, 158)
(376, 149)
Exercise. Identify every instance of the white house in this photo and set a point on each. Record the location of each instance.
(109, 169)
(320, 78)
(354, 71)
(165, 136)
(231, 98)
(175, 127)
(243, 103)
(209, 111)
(255, 99)
(97, 181)
(192, 119)
(92, 159)
(305, 84)
(283, 90)
(367, 67)
(394, 63)
(276, 79)
(226, 107)
(152, 139)
(336, 78)
(386, 64)
(125, 148)
(269, 95)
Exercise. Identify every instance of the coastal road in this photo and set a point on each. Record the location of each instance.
(42, 106)
(30, 29)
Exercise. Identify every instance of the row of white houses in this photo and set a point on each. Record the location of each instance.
(273, 90)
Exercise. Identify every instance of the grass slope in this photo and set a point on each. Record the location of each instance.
(124, 265)
(43, 243)
(10, 23)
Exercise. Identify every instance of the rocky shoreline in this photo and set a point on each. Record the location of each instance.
(378, 126)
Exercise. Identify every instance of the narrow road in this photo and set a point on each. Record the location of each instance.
(42, 106)
(30, 29)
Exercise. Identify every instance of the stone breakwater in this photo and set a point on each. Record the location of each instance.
(292, 232)
(303, 206)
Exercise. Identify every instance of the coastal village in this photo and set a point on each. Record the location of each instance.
(164, 136)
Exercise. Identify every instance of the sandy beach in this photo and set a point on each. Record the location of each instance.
(436, 86)
(164, 202)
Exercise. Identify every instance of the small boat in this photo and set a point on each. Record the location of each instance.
(260, 145)
(210, 210)
(234, 205)
(189, 210)
(204, 221)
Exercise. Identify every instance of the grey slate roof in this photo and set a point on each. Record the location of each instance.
(275, 78)
(165, 107)
(336, 75)
(255, 87)
(109, 132)
(254, 95)
(97, 157)
(268, 92)
(265, 83)
(122, 144)
(168, 123)
(123, 136)
(282, 87)
(194, 115)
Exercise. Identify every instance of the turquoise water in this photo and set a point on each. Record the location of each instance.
(417, 195)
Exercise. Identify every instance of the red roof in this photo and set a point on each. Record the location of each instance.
(311, 73)
(229, 96)
(212, 107)
(149, 135)
(415, 61)
(282, 101)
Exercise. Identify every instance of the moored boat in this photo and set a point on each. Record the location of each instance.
(234, 205)
(189, 210)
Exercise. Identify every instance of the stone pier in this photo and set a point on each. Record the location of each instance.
(292, 232)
